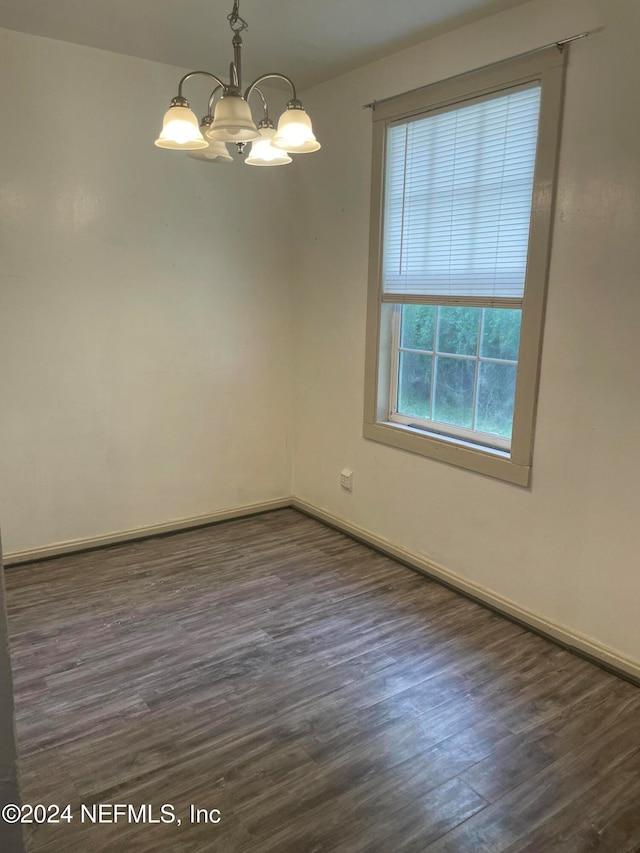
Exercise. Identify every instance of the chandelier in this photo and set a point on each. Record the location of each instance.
(229, 118)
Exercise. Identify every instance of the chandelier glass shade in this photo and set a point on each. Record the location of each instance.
(180, 130)
(215, 151)
(295, 133)
(230, 119)
(263, 152)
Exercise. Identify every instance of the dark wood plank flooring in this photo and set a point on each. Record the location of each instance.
(322, 696)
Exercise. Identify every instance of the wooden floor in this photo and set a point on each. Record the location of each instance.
(321, 696)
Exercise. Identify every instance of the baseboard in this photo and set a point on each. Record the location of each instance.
(579, 643)
(59, 548)
(585, 646)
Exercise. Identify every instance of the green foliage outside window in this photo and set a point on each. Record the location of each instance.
(461, 368)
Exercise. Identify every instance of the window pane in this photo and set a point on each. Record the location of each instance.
(455, 380)
(501, 333)
(418, 326)
(458, 330)
(496, 396)
(414, 384)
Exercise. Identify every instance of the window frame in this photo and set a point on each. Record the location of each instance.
(546, 67)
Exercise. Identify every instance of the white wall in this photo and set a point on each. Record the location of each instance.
(568, 547)
(145, 306)
(11, 839)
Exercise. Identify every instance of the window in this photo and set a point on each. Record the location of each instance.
(461, 219)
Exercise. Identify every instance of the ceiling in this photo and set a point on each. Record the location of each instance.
(310, 40)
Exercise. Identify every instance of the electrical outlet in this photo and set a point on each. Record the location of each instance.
(346, 479)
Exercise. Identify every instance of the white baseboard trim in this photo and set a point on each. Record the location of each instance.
(580, 643)
(16, 557)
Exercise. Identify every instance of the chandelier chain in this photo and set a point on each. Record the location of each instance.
(237, 23)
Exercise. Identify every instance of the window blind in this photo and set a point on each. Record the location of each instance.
(458, 199)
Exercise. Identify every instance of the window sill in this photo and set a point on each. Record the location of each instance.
(491, 463)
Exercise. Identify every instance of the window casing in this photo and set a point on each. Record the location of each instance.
(462, 192)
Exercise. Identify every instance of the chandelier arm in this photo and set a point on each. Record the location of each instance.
(254, 88)
(196, 74)
(268, 76)
(211, 97)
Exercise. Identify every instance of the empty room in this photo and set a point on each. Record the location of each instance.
(319, 404)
